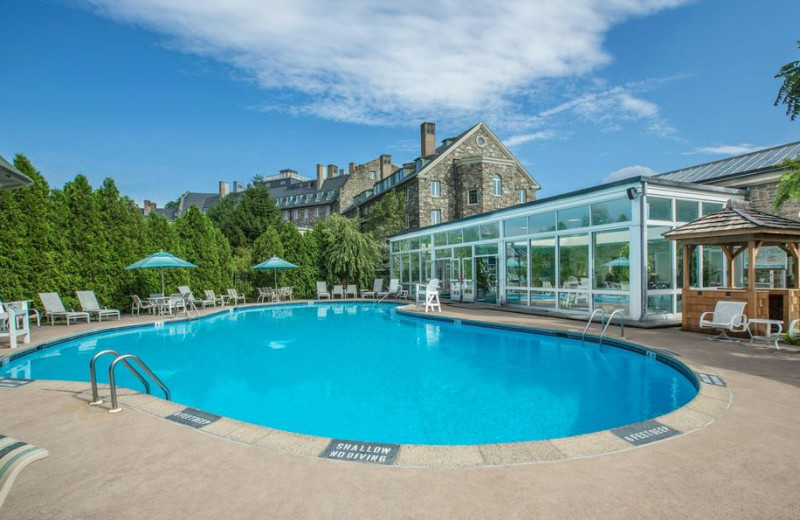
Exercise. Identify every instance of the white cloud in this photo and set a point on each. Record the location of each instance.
(629, 171)
(375, 62)
(516, 140)
(725, 149)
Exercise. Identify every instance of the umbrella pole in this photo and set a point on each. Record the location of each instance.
(162, 283)
(275, 272)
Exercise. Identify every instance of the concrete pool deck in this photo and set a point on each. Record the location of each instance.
(743, 465)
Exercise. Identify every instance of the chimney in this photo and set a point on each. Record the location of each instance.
(333, 171)
(427, 134)
(352, 168)
(385, 166)
(223, 189)
(320, 176)
(148, 207)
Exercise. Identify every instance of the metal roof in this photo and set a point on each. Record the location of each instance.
(732, 166)
(10, 177)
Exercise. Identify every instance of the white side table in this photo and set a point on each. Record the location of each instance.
(772, 335)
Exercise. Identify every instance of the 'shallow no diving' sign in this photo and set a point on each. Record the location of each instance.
(356, 451)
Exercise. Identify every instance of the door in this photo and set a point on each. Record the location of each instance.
(443, 270)
(462, 285)
(486, 279)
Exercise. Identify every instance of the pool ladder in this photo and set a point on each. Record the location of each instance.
(607, 324)
(124, 359)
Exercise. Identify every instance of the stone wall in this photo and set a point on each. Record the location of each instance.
(358, 181)
(307, 216)
(761, 197)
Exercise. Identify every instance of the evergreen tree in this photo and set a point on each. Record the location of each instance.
(198, 239)
(256, 212)
(348, 256)
(265, 247)
(296, 250)
(160, 235)
(386, 218)
(223, 214)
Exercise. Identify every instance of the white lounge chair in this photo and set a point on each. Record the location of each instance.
(54, 308)
(234, 296)
(89, 304)
(138, 305)
(338, 290)
(351, 290)
(377, 286)
(322, 291)
(794, 329)
(394, 287)
(218, 300)
(727, 316)
(12, 327)
(430, 292)
(184, 290)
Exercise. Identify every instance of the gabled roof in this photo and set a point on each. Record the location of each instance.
(732, 221)
(745, 164)
(10, 177)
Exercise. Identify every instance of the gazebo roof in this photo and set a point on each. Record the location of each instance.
(737, 224)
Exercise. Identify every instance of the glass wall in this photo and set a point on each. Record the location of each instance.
(612, 260)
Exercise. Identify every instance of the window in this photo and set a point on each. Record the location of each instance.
(542, 222)
(305, 213)
(517, 226)
(316, 211)
(408, 194)
(440, 239)
(296, 213)
(522, 196)
(286, 215)
(608, 212)
(436, 189)
(611, 262)
(573, 217)
(472, 197)
(490, 230)
(517, 264)
(659, 259)
(543, 263)
(687, 210)
(711, 207)
(373, 174)
(472, 234)
(659, 209)
(436, 216)
(497, 185)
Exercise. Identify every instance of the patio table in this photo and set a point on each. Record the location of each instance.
(770, 335)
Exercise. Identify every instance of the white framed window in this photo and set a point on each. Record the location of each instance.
(497, 185)
(521, 195)
(373, 174)
(286, 214)
(305, 213)
(408, 193)
(436, 216)
(316, 211)
(436, 189)
(472, 197)
(296, 213)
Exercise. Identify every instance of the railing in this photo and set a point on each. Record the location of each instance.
(112, 381)
(621, 324)
(586, 328)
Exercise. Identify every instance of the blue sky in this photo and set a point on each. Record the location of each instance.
(173, 95)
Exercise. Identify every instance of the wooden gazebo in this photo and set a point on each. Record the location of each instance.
(736, 230)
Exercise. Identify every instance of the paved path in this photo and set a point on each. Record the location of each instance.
(132, 465)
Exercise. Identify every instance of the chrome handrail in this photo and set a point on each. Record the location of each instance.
(93, 375)
(621, 324)
(114, 406)
(586, 328)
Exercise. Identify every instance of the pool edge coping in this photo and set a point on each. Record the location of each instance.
(709, 404)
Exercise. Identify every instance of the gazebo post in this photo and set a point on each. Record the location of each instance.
(728, 251)
(688, 250)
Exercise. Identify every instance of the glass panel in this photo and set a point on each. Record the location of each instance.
(713, 262)
(401, 268)
(517, 264)
(659, 259)
(397, 265)
(454, 236)
(687, 210)
(486, 249)
(518, 226)
(425, 242)
(542, 223)
(611, 260)
(413, 244)
(659, 208)
(543, 263)
(402, 245)
(692, 268)
(573, 217)
(463, 252)
(426, 266)
(516, 297)
(471, 234)
(574, 261)
(414, 265)
(711, 207)
(440, 239)
(659, 304)
(573, 301)
(544, 299)
(490, 230)
(617, 210)
(611, 302)
(447, 252)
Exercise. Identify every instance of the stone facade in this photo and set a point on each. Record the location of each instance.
(761, 197)
(362, 177)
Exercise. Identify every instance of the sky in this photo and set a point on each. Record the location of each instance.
(168, 96)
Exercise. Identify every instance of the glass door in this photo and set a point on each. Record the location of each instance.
(443, 270)
(467, 279)
(486, 280)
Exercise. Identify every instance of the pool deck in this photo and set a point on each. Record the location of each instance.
(744, 464)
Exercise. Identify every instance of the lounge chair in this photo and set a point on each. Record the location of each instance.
(263, 295)
(138, 305)
(351, 290)
(338, 290)
(176, 302)
(727, 316)
(322, 291)
(430, 292)
(89, 304)
(54, 308)
(234, 296)
(218, 300)
(394, 287)
(203, 302)
(377, 286)
(794, 329)
(14, 456)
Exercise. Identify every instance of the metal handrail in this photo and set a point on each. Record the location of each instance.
(93, 375)
(621, 324)
(586, 328)
(114, 406)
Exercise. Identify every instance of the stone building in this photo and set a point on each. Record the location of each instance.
(466, 175)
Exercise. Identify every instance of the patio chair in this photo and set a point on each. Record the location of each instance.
(727, 316)
(234, 296)
(89, 304)
(138, 305)
(218, 300)
(338, 290)
(176, 302)
(351, 290)
(287, 292)
(377, 286)
(794, 329)
(54, 308)
(203, 302)
(394, 287)
(11, 328)
(431, 293)
(322, 291)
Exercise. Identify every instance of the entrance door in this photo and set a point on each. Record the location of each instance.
(462, 286)
(486, 279)
(444, 272)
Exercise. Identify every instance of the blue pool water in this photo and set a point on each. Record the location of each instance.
(365, 372)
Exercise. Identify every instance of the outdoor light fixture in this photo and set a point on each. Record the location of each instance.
(632, 193)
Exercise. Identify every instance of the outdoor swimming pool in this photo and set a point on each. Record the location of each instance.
(363, 371)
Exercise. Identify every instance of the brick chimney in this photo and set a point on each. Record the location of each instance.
(352, 168)
(149, 207)
(333, 171)
(224, 189)
(427, 135)
(320, 176)
(385, 166)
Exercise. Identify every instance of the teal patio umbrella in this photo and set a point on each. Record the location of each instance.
(275, 264)
(161, 260)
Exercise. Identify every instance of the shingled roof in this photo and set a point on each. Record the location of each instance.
(732, 221)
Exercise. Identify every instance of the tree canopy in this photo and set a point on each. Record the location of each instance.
(789, 93)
